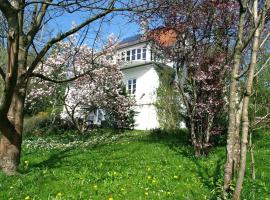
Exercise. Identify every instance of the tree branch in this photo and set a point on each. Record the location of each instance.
(264, 65)
(36, 23)
(64, 35)
(41, 76)
(7, 8)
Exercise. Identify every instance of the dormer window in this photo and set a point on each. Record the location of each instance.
(139, 54)
(123, 56)
(144, 53)
(133, 54)
(128, 55)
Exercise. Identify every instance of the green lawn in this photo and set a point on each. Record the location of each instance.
(130, 165)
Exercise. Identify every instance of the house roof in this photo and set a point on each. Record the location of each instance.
(131, 39)
(164, 36)
(135, 39)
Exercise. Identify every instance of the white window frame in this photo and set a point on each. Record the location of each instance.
(132, 86)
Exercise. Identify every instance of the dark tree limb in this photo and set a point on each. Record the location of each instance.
(60, 37)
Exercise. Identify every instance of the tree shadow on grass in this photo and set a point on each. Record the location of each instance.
(59, 157)
(54, 161)
(178, 141)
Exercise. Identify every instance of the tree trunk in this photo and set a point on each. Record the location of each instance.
(10, 152)
(11, 125)
(236, 152)
(232, 134)
(194, 138)
(251, 146)
(10, 143)
(245, 117)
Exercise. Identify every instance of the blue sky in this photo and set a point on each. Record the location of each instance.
(120, 25)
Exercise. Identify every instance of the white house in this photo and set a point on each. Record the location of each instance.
(140, 62)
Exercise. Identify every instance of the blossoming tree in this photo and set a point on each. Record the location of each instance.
(99, 88)
(198, 41)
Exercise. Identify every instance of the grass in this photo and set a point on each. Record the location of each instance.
(131, 165)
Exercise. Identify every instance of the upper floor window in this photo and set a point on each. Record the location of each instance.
(123, 55)
(134, 54)
(131, 86)
(128, 55)
(139, 54)
(144, 53)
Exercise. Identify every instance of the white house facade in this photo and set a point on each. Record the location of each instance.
(141, 78)
(139, 64)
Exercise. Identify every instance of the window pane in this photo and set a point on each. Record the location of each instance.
(139, 54)
(123, 56)
(134, 86)
(144, 54)
(128, 55)
(133, 54)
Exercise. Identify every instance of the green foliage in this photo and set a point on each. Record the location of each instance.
(38, 124)
(51, 103)
(43, 123)
(111, 121)
(168, 101)
(127, 165)
(260, 100)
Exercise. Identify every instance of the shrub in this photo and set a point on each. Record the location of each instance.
(44, 123)
(168, 101)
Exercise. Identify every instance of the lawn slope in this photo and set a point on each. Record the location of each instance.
(131, 165)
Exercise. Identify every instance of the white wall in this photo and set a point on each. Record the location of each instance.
(147, 82)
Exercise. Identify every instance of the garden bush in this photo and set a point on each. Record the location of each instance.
(44, 123)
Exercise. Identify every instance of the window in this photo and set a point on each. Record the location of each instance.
(133, 54)
(132, 86)
(139, 54)
(128, 55)
(144, 53)
(123, 55)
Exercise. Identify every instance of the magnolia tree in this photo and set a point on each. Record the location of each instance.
(100, 87)
(26, 48)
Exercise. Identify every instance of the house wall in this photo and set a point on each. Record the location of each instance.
(147, 81)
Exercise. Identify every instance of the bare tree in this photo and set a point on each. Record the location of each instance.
(254, 14)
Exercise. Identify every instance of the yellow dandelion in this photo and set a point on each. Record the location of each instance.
(149, 177)
(110, 198)
(114, 173)
(146, 193)
(169, 193)
(27, 198)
